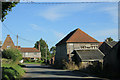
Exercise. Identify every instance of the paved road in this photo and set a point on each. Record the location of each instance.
(42, 72)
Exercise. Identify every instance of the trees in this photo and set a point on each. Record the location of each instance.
(13, 54)
(6, 7)
(53, 50)
(43, 48)
(109, 39)
(0, 42)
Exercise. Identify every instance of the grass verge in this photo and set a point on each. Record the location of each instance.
(7, 63)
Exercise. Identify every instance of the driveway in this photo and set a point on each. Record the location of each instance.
(43, 72)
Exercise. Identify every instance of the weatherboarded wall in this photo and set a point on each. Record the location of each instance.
(61, 53)
(64, 51)
(105, 48)
(74, 46)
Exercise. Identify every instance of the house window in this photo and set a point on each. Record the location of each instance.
(71, 44)
(35, 53)
(26, 53)
(83, 47)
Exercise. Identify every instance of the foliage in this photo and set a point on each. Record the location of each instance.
(31, 61)
(109, 39)
(6, 7)
(70, 65)
(9, 73)
(43, 47)
(11, 70)
(13, 54)
(0, 42)
(53, 50)
(26, 59)
(94, 68)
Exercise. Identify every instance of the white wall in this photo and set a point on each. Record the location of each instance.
(32, 54)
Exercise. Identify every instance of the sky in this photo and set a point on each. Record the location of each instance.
(52, 22)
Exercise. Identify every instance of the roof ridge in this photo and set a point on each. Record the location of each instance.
(77, 35)
(73, 33)
(82, 32)
(66, 37)
(89, 35)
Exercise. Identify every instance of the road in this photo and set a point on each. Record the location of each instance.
(42, 72)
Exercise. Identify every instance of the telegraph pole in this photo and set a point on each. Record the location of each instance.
(46, 54)
(46, 51)
(17, 41)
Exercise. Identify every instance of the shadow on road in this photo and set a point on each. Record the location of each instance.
(44, 73)
(58, 73)
(38, 66)
(44, 78)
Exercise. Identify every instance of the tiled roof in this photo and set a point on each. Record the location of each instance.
(90, 54)
(8, 42)
(100, 43)
(28, 50)
(77, 36)
(17, 46)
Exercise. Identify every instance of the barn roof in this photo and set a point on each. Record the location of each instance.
(28, 50)
(89, 54)
(111, 43)
(77, 36)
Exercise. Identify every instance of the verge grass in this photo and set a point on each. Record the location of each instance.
(9, 63)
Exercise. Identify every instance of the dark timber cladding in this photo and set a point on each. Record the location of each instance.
(77, 36)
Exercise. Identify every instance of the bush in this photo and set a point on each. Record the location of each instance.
(26, 59)
(41, 61)
(13, 54)
(94, 68)
(9, 73)
(70, 65)
(5, 77)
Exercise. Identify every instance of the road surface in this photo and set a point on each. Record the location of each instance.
(43, 72)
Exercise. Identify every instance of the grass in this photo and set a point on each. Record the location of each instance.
(9, 63)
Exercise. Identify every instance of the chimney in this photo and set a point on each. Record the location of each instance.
(106, 40)
(39, 46)
(8, 35)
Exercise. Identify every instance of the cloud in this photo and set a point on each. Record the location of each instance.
(37, 28)
(57, 12)
(58, 34)
(51, 15)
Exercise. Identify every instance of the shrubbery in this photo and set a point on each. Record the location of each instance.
(9, 73)
(28, 60)
(10, 68)
(92, 67)
(13, 54)
(70, 66)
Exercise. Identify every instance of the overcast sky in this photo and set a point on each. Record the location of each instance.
(52, 22)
